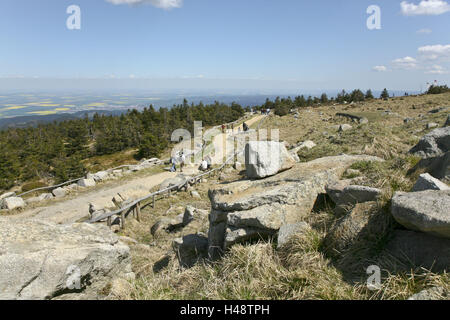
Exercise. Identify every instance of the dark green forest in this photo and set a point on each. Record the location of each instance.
(56, 150)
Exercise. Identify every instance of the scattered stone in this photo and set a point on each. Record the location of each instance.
(101, 176)
(427, 182)
(363, 120)
(12, 203)
(86, 183)
(435, 293)
(195, 195)
(407, 120)
(290, 231)
(344, 127)
(434, 144)
(45, 196)
(426, 211)
(266, 158)
(190, 249)
(59, 193)
(432, 125)
(353, 172)
(307, 144)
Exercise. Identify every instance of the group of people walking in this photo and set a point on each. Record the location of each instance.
(173, 162)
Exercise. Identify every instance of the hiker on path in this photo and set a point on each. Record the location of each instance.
(174, 166)
(182, 162)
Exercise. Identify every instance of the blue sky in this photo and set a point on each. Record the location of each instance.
(282, 45)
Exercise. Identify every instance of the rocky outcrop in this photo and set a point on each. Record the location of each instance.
(426, 211)
(434, 144)
(40, 260)
(427, 182)
(249, 209)
(266, 158)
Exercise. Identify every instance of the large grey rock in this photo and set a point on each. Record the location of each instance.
(266, 158)
(290, 231)
(13, 203)
(252, 209)
(190, 249)
(59, 193)
(86, 183)
(426, 211)
(434, 144)
(427, 182)
(419, 250)
(40, 260)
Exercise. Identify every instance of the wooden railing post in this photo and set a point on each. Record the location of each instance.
(138, 212)
(122, 219)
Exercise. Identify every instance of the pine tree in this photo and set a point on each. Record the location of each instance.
(369, 95)
(385, 94)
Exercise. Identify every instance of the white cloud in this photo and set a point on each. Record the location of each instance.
(435, 52)
(406, 63)
(425, 7)
(424, 31)
(436, 69)
(164, 4)
(379, 68)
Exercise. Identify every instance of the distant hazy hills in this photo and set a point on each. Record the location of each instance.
(27, 121)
